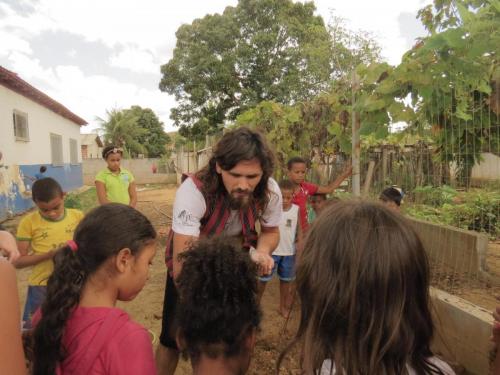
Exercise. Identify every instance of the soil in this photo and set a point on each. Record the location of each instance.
(485, 293)
(275, 331)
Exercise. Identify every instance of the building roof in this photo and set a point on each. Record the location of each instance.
(91, 138)
(13, 82)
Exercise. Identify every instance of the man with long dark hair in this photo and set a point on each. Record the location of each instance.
(227, 197)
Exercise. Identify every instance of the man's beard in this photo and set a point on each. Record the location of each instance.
(237, 201)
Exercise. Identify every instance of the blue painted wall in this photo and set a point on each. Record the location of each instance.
(69, 176)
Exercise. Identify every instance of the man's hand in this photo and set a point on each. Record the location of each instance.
(264, 261)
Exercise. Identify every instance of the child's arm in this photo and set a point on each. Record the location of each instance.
(11, 348)
(132, 192)
(26, 259)
(8, 244)
(327, 189)
(496, 339)
(101, 192)
(299, 240)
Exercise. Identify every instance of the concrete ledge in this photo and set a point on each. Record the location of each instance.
(142, 169)
(463, 332)
(461, 250)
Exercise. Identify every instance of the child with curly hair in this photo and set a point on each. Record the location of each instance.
(218, 309)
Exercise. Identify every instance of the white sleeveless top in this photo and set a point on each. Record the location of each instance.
(443, 366)
(288, 231)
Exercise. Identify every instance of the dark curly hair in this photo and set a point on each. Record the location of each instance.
(101, 234)
(218, 305)
(238, 145)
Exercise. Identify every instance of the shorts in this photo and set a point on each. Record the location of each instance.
(34, 299)
(169, 321)
(285, 265)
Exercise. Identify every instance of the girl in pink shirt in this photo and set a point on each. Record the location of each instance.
(80, 330)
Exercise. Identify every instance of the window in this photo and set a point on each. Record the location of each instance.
(73, 151)
(20, 121)
(56, 149)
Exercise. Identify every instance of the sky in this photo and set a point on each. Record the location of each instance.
(96, 55)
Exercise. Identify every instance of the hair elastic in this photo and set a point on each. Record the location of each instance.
(72, 245)
(113, 151)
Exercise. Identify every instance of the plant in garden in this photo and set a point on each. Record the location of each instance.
(473, 210)
(452, 79)
(434, 195)
(84, 201)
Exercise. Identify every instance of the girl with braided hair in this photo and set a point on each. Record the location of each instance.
(80, 330)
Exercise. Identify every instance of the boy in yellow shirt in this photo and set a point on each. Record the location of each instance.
(39, 235)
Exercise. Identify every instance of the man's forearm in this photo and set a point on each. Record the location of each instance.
(268, 241)
(180, 244)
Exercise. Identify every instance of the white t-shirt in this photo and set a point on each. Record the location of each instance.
(443, 366)
(190, 206)
(288, 232)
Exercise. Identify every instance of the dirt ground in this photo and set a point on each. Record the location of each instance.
(481, 289)
(275, 332)
(485, 293)
(146, 308)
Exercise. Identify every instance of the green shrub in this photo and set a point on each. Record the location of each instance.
(434, 196)
(474, 210)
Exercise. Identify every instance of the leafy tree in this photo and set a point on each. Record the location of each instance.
(138, 130)
(120, 128)
(350, 49)
(259, 50)
(154, 137)
(452, 78)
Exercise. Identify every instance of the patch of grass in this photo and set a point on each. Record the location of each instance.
(151, 186)
(83, 201)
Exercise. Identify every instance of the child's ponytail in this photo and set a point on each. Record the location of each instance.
(63, 294)
(100, 235)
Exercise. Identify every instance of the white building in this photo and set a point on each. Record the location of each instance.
(91, 146)
(35, 131)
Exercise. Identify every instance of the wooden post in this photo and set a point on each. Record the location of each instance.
(356, 143)
(369, 177)
(195, 153)
(384, 165)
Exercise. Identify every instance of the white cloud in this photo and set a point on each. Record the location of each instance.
(12, 43)
(137, 60)
(380, 18)
(29, 68)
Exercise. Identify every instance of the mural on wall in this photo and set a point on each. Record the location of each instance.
(13, 191)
